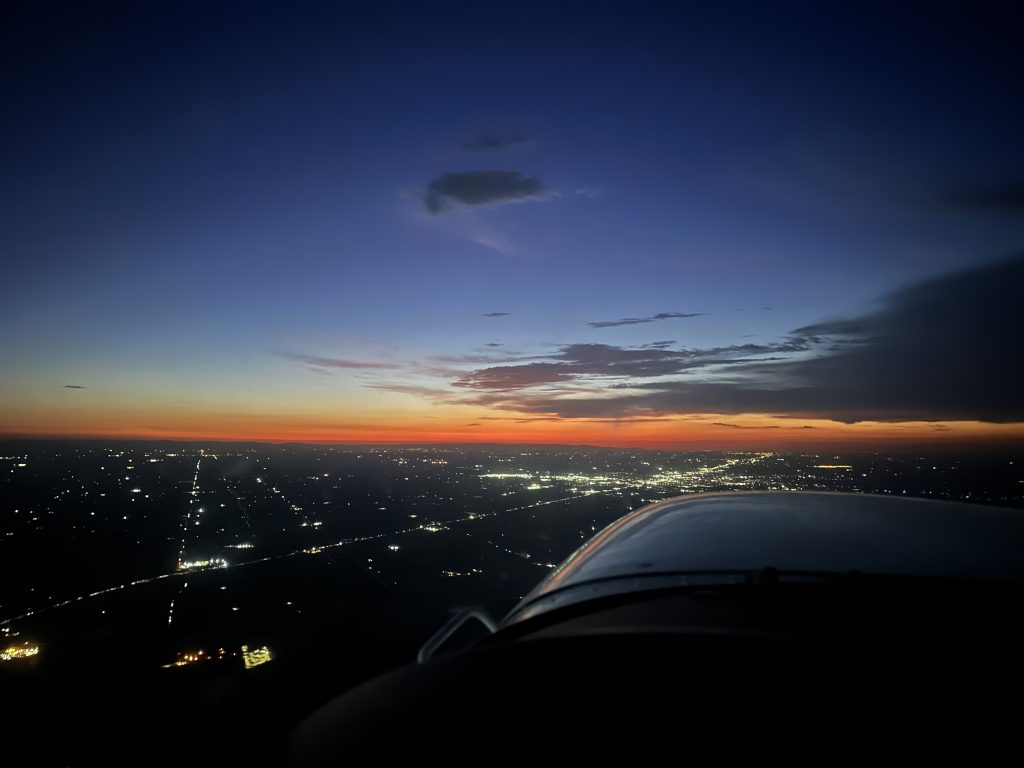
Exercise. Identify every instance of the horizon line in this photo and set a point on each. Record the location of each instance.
(975, 444)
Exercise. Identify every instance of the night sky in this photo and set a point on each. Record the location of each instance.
(749, 225)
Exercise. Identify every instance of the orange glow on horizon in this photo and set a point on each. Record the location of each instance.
(698, 431)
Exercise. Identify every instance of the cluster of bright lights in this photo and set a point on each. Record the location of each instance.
(191, 657)
(214, 562)
(588, 483)
(470, 572)
(250, 657)
(256, 656)
(19, 651)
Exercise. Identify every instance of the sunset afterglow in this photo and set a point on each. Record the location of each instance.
(633, 235)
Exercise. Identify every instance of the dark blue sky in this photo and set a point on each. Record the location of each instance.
(197, 199)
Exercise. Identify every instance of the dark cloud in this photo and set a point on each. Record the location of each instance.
(747, 426)
(493, 344)
(496, 314)
(639, 320)
(531, 419)
(576, 361)
(513, 377)
(334, 362)
(480, 188)
(995, 198)
(943, 349)
(476, 359)
(487, 140)
(520, 419)
(431, 393)
(74, 386)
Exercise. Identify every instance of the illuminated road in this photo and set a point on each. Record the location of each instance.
(308, 551)
(435, 526)
(193, 495)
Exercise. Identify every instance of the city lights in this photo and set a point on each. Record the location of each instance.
(213, 562)
(256, 656)
(250, 657)
(487, 512)
(19, 651)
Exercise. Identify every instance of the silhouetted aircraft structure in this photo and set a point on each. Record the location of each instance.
(712, 626)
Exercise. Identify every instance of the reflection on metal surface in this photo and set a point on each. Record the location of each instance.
(796, 532)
